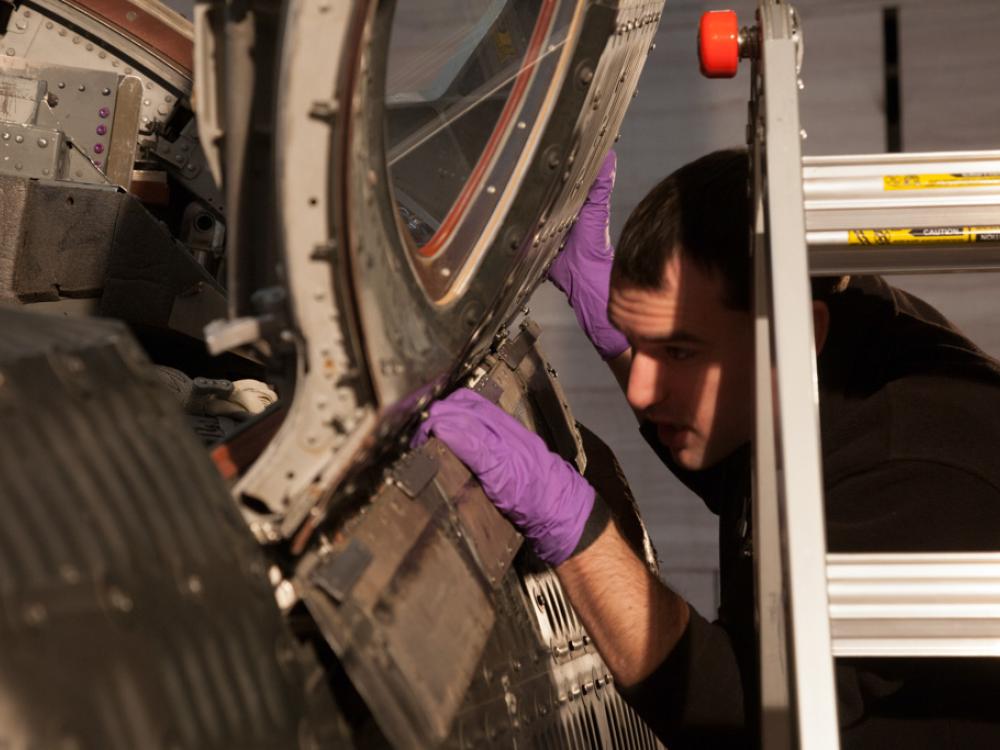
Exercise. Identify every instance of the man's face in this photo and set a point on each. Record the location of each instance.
(692, 363)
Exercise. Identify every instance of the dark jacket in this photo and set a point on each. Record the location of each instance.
(910, 422)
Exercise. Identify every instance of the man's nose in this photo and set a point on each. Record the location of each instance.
(643, 382)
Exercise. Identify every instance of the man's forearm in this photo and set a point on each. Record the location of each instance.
(634, 619)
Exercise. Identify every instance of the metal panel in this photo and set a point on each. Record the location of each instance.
(56, 238)
(31, 151)
(137, 609)
(116, 38)
(451, 640)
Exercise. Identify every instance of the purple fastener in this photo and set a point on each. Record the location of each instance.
(103, 112)
(102, 129)
(98, 148)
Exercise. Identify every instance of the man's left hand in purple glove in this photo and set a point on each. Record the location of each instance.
(539, 492)
(582, 269)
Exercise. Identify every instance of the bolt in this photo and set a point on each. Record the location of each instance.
(35, 614)
(42, 143)
(119, 599)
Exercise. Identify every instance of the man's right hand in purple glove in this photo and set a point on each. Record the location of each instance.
(539, 492)
(582, 270)
(633, 618)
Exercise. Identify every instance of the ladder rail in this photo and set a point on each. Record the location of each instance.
(776, 722)
(800, 489)
(835, 215)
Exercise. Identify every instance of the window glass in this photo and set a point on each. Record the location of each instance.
(453, 67)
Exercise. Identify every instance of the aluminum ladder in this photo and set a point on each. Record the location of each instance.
(883, 213)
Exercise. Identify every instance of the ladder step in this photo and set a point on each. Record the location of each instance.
(901, 191)
(903, 213)
(920, 604)
(838, 259)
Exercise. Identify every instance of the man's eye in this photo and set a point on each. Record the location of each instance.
(677, 353)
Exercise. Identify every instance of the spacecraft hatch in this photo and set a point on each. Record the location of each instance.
(238, 257)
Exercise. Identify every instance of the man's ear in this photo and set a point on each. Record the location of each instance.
(821, 323)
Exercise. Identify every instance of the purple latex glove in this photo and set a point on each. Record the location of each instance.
(539, 492)
(582, 270)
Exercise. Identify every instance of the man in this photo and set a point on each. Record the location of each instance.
(910, 416)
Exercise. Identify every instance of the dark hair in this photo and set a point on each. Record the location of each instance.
(702, 210)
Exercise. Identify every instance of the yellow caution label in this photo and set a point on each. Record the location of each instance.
(923, 236)
(936, 181)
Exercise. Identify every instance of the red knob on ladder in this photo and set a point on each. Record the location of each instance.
(719, 43)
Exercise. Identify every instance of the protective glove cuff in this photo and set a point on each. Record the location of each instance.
(597, 522)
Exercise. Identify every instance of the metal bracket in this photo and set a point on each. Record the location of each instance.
(338, 573)
(512, 351)
(414, 471)
(224, 335)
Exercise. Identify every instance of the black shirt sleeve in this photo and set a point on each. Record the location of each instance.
(695, 698)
